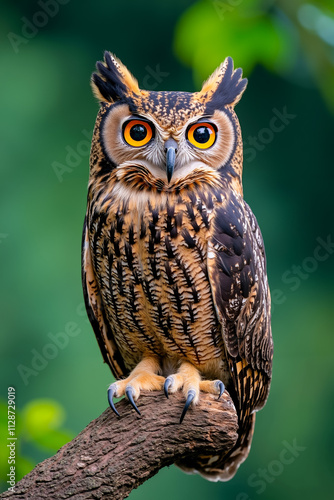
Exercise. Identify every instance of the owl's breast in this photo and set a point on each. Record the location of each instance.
(151, 263)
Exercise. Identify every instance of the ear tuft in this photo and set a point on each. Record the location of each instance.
(225, 86)
(113, 80)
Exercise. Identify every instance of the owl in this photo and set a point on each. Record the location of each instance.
(173, 261)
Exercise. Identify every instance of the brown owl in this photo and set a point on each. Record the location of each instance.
(174, 268)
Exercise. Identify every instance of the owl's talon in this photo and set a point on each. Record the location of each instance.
(220, 385)
(111, 394)
(129, 393)
(190, 397)
(167, 384)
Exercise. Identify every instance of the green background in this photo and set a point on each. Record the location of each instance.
(286, 49)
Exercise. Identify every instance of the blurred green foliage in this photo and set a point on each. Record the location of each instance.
(286, 37)
(43, 420)
(38, 426)
(48, 114)
(223, 28)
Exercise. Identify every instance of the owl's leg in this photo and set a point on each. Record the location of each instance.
(144, 376)
(189, 379)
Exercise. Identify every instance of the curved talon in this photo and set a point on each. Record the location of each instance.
(221, 388)
(129, 392)
(191, 396)
(111, 394)
(167, 384)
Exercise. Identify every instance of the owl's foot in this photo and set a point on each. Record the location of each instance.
(189, 379)
(144, 376)
(212, 386)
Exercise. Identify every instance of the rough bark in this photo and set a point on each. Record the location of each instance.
(112, 455)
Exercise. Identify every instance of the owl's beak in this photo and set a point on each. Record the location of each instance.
(170, 148)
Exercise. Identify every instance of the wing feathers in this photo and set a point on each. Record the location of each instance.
(237, 270)
(96, 314)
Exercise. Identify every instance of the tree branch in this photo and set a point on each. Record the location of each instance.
(112, 455)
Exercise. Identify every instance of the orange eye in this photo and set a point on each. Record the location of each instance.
(202, 135)
(137, 133)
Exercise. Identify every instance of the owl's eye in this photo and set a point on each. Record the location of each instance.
(202, 135)
(137, 133)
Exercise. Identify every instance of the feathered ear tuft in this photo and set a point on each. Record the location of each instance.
(114, 81)
(225, 86)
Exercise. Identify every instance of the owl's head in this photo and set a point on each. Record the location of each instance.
(166, 141)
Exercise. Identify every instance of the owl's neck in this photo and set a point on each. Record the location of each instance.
(138, 188)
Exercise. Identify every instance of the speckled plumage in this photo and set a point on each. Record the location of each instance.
(174, 272)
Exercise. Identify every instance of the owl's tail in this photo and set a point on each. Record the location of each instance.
(224, 467)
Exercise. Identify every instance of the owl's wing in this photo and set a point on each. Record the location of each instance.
(96, 314)
(238, 277)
